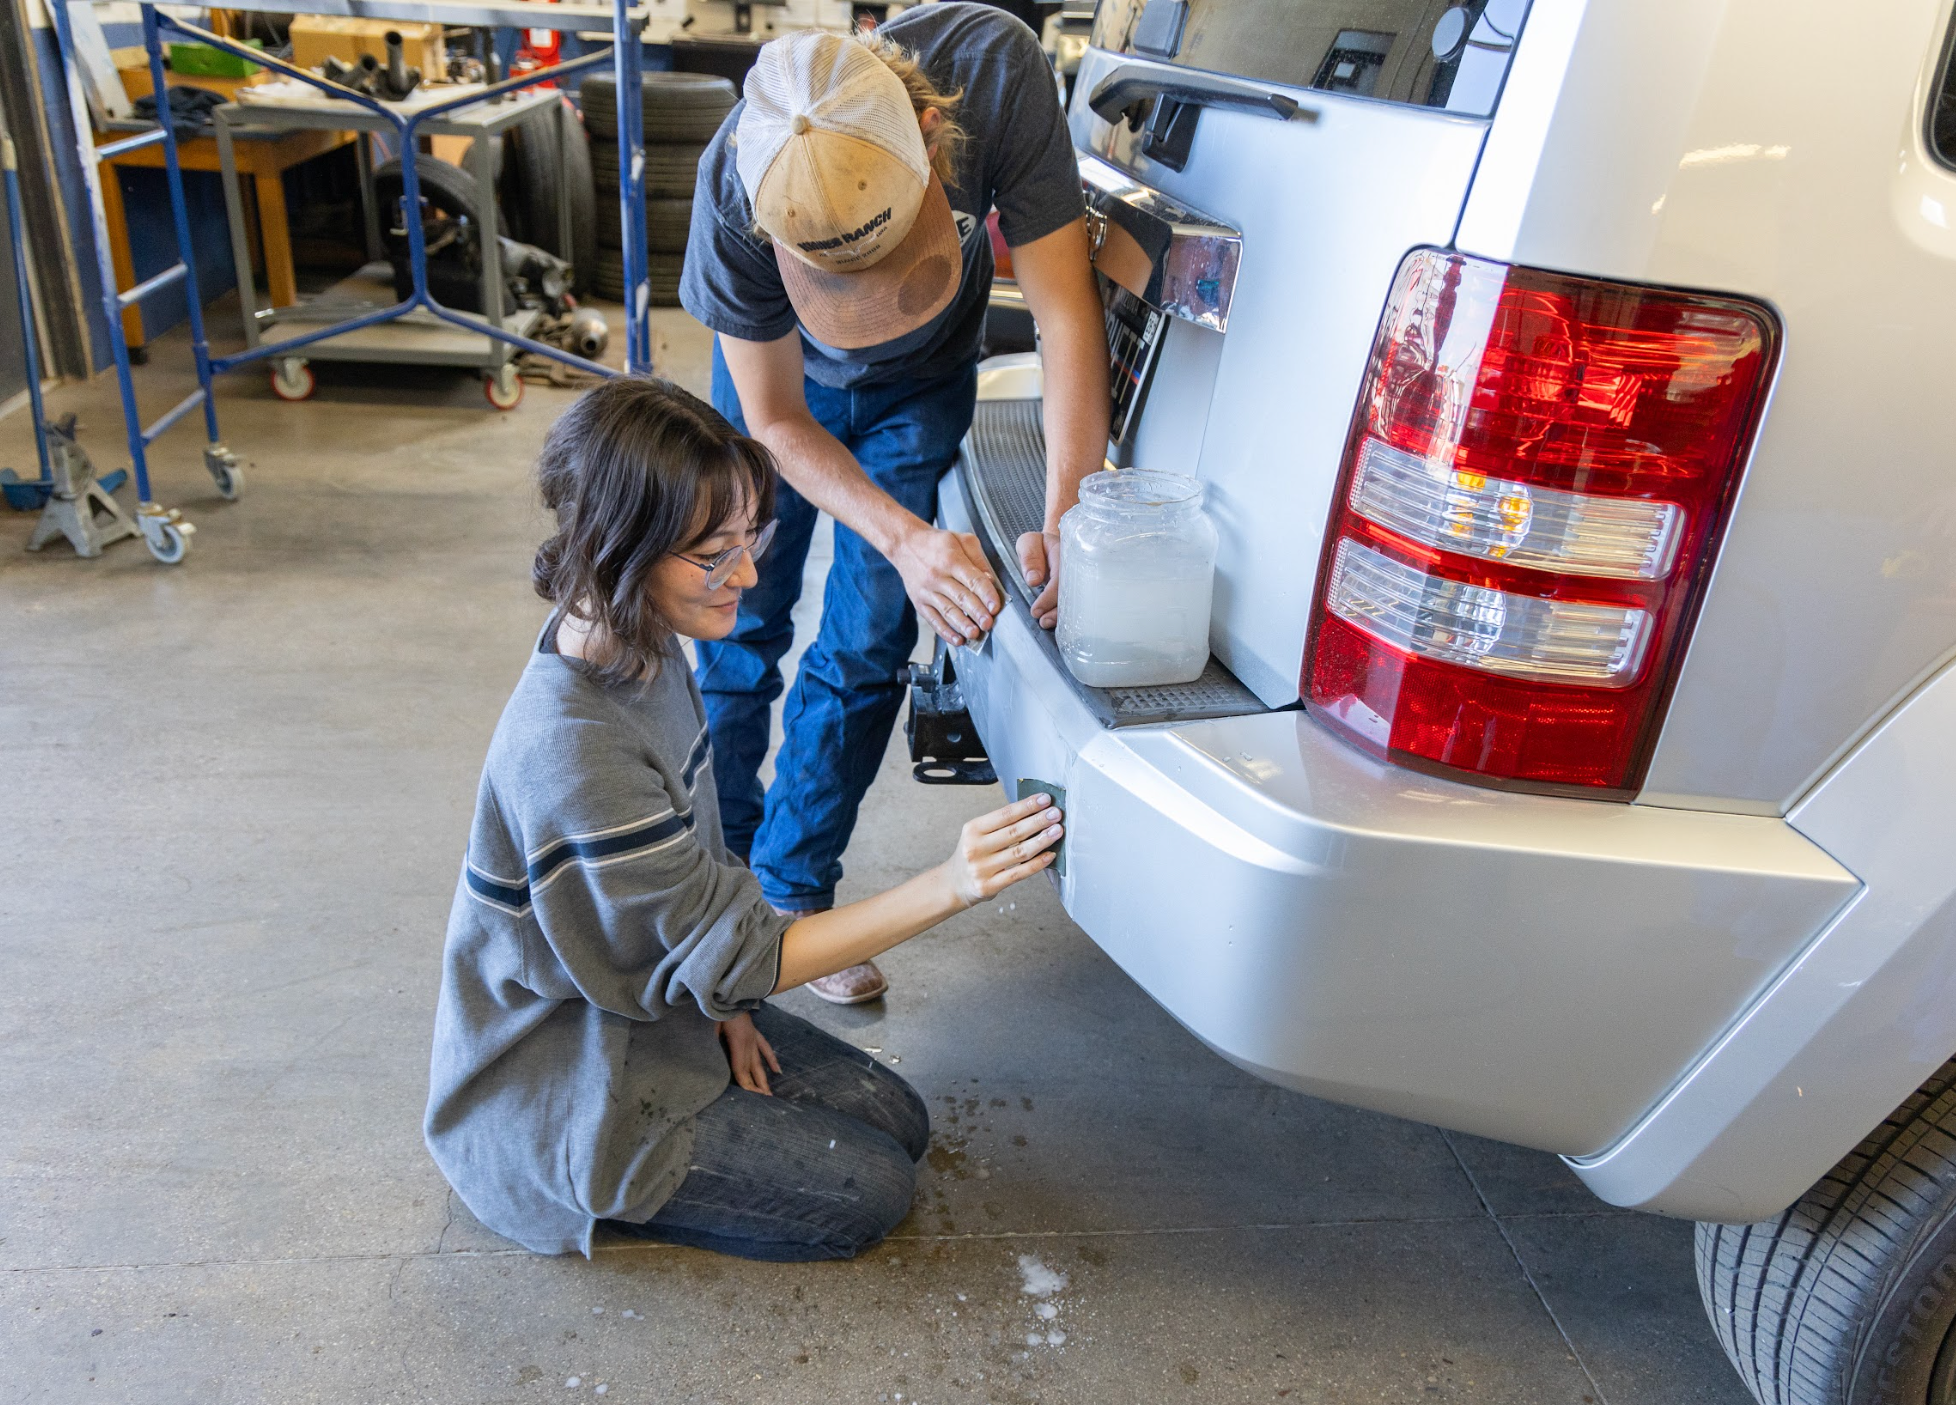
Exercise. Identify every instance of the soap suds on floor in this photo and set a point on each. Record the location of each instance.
(1038, 1280)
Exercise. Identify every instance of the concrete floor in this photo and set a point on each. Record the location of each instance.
(236, 795)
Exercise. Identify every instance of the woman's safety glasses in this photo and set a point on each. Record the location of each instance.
(719, 569)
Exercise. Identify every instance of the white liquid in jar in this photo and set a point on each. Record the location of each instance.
(1128, 629)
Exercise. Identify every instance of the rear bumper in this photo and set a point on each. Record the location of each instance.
(1532, 969)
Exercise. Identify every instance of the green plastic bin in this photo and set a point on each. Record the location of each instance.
(203, 61)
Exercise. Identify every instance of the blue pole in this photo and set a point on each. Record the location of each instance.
(631, 186)
(186, 248)
(25, 284)
(411, 212)
(132, 421)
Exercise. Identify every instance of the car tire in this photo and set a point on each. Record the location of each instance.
(667, 220)
(530, 193)
(524, 203)
(675, 107)
(669, 170)
(661, 277)
(450, 190)
(1848, 1297)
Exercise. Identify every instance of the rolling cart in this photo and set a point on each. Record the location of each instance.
(418, 337)
(163, 529)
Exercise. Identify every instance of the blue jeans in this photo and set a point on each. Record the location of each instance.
(846, 695)
(822, 1170)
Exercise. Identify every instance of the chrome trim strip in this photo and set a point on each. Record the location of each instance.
(1166, 254)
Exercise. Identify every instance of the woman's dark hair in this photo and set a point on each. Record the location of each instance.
(636, 470)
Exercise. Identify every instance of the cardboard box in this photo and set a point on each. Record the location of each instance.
(135, 77)
(315, 37)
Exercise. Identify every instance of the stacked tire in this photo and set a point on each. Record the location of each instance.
(530, 189)
(681, 113)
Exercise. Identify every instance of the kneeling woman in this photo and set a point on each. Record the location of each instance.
(606, 960)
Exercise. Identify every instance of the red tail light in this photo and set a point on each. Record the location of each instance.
(1538, 476)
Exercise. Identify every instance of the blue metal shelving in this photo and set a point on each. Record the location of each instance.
(163, 529)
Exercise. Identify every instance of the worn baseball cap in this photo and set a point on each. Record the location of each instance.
(833, 161)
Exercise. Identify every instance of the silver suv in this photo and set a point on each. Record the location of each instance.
(1577, 761)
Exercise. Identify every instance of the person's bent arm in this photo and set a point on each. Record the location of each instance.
(994, 852)
(944, 573)
(1056, 276)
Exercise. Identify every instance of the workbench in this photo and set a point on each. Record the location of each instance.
(264, 162)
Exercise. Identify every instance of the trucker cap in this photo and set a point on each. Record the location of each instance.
(833, 161)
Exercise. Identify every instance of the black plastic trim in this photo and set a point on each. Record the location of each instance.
(1131, 84)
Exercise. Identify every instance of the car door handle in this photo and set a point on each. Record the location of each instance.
(1132, 83)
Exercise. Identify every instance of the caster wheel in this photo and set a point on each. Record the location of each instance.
(167, 543)
(226, 472)
(291, 380)
(504, 389)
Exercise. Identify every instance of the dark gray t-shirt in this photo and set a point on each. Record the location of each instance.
(1019, 158)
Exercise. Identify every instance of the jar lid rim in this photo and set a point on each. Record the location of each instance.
(1141, 487)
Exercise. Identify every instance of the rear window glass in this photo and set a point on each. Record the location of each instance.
(1428, 53)
(1942, 107)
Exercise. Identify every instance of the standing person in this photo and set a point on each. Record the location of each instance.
(601, 937)
(838, 248)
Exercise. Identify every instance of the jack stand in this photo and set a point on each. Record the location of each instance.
(78, 508)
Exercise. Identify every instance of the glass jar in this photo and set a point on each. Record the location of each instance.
(1137, 569)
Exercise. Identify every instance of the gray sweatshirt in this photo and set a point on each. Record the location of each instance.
(599, 930)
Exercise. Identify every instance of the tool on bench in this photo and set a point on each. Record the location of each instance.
(367, 76)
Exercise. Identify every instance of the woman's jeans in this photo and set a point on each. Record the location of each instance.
(846, 695)
(821, 1170)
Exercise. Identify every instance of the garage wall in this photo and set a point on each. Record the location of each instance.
(61, 136)
(13, 356)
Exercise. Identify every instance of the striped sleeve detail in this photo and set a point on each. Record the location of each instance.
(696, 760)
(511, 895)
(602, 848)
(599, 848)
